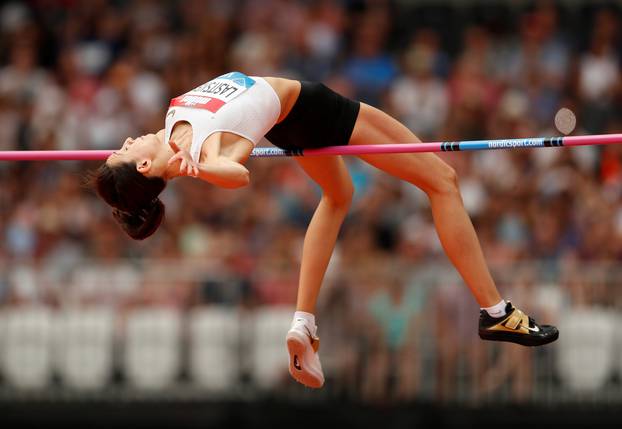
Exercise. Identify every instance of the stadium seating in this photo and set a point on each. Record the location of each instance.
(25, 352)
(214, 337)
(84, 347)
(269, 359)
(152, 347)
(586, 349)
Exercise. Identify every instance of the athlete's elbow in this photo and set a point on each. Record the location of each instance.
(241, 180)
(245, 179)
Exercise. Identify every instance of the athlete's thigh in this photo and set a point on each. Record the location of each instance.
(373, 126)
(330, 173)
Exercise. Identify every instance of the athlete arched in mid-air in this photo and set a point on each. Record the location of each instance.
(210, 132)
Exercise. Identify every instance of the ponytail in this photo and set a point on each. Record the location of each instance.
(142, 223)
(133, 196)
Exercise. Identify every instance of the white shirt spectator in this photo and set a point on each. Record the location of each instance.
(598, 75)
(421, 104)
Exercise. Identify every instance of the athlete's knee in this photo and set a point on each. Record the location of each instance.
(341, 198)
(445, 183)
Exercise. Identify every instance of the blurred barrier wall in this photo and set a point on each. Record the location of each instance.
(410, 337)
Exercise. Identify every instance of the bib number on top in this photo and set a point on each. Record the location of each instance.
(215, 93)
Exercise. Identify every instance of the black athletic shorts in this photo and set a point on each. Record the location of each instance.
(320, 117)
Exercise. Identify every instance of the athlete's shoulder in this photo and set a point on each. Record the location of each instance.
(280, 81)
(285, 88)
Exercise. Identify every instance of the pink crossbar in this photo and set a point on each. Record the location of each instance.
(532, 142)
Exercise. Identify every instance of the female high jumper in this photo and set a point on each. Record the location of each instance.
(210, 132)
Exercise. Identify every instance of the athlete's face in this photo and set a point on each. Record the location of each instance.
(144, 151)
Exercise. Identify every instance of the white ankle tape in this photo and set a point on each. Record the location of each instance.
(307, 317)
(497, 310)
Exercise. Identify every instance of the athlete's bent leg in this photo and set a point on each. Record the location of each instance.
(331, 174)
(455, 230)
(438, 180)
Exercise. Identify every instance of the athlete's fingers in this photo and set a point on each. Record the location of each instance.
(182, 166)
(173, 146)
(196, 171)
(173, 158)
(189, 169)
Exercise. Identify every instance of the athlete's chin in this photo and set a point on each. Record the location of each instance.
(147, 139)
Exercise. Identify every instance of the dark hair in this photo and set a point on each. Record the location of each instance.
(133, 196)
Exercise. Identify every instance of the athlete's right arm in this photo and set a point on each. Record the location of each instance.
(217, 169)
(224, 172)
(225, 154)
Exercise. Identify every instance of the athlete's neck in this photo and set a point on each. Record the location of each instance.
(182, 135)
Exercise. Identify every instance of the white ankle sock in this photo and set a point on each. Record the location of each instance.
(307, 317)
(497, 310)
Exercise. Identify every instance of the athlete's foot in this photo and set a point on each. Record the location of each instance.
(515, 327)
(304, 362)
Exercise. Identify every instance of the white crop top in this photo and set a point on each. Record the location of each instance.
(233, 103)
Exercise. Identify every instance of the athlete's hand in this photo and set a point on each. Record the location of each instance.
(187, 166)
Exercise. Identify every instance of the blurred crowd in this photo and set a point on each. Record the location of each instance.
(85, 75)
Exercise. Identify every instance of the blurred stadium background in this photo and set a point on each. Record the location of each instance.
(187, 328)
